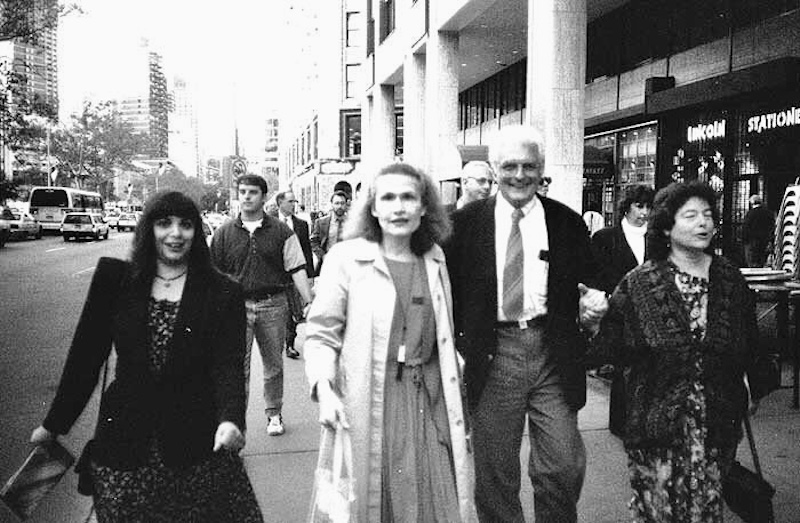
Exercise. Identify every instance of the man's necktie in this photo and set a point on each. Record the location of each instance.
(338, 229)
(513, 272)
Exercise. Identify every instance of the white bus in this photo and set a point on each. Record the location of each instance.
(50, 204)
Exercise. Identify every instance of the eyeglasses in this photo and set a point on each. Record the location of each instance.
(546, 180)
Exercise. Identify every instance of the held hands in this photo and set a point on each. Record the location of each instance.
(592, 306)
(331, 408)
(229, 436)
(42, 436)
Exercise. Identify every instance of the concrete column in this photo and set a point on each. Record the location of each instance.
(556, 78)
(382, 127)
(441, 99)
(414, 110)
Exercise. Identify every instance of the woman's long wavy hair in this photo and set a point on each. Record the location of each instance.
(665, 206)
(143, 252)
(434, 227)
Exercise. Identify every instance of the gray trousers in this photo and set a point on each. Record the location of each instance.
(522, 383)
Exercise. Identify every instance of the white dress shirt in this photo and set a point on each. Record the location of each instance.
(287, 219)
(533, 228)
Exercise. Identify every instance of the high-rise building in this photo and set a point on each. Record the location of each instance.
(147, 106)
(159, 107)
(34, 58)
(184, 148)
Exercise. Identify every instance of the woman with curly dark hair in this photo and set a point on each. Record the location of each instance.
(684, 325)
(380, 355)
(172, 421)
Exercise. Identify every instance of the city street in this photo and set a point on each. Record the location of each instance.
(43, 286)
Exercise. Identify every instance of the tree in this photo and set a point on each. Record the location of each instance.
(8, 191)
(95, 145)
(27, 19)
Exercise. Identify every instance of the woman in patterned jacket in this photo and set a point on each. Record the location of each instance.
(684, 325)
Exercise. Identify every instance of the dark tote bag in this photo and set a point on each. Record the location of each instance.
(747, 493)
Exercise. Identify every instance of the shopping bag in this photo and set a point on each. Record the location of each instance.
(333, 498)
(39, 474)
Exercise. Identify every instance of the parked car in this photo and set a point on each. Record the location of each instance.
(24, 226)
(84, 224)
(6, 217)
(127, 221)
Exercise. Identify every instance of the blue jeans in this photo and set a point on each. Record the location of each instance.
(266, 322)
(522, 385)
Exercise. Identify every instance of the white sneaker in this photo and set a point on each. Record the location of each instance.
(275, 426)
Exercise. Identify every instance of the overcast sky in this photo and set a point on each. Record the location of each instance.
(227, 52)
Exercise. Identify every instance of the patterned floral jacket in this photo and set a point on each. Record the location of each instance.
(647, 331)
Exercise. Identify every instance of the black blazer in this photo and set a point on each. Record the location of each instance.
(472, 267)
(200, 385)
(301, 230)
(614, 257)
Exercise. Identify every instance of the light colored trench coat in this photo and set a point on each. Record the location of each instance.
(347, 341)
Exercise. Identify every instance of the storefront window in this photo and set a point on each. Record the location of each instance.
(614, 160)
(637, 156)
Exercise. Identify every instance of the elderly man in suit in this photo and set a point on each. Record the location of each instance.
(520, 264)
(286, 204)
(327, 230)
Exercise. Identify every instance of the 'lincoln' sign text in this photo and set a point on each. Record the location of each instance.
(698, 133)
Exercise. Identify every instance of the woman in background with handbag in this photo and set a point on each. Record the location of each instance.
(684, 324)
(171, 423)
(381, 361)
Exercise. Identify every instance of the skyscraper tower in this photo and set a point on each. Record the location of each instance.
(159, 108)
(34, 58)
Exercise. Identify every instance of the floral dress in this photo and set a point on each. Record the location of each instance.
(216, 489)
(681, 484)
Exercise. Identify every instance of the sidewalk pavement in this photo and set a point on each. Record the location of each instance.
(282, 468)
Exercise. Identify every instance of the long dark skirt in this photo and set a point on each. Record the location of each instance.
(214, 490)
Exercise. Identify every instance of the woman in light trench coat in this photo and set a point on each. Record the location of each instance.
(381, 360)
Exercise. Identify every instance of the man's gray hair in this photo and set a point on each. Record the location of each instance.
(522, 134)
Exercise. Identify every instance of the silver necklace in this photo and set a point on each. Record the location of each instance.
(168, 281)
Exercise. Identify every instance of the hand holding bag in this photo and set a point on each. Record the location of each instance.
(333, 499)
(747, 493)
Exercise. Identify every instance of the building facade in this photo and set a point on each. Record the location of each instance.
(184, 144)
(669, 90)
(320, 141)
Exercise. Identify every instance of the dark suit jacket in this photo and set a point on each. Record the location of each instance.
(614, 257)
(472, 266)
(301, 230)
(200, 385)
